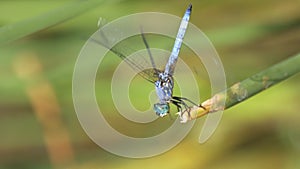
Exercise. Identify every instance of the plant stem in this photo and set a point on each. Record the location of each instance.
(247, 88)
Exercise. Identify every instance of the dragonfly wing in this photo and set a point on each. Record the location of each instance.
(150, 74)
(122, 50)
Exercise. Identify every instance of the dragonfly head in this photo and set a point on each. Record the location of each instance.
(161, 109)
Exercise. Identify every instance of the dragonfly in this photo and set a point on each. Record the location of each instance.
(162, 79)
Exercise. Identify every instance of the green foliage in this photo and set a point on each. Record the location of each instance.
(250, 36)
(21, 29)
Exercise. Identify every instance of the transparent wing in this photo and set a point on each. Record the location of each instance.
(140, 64)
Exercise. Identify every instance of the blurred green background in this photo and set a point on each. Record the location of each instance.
(36, 76)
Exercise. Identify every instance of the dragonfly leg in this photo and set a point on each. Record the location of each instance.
(186, 99)
(178, 103)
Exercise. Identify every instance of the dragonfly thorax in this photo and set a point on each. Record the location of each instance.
(164, 87)
(164, 90)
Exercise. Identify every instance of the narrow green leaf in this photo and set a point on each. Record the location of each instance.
(21, 29)
(247, 88)
(262, 80)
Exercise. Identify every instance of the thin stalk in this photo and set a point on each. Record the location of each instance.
(247, 88)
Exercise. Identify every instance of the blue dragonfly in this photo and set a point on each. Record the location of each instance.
(163, 80)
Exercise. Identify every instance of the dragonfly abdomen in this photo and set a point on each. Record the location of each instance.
(170, 66)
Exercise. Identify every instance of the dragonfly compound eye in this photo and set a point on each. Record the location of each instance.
(161, 109)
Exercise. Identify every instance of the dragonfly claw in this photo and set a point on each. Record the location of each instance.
(184, 116)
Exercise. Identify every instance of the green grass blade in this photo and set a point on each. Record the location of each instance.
(249, 87)
(262, 80)
(21, 29)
